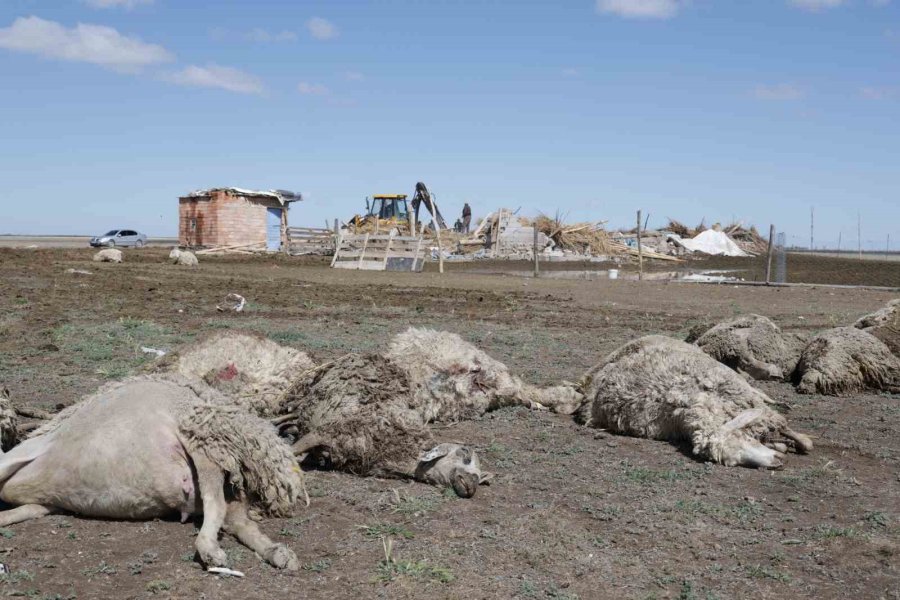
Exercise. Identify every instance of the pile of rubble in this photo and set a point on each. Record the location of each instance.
(502, 234)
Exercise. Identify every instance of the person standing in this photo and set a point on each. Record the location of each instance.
(466, 217)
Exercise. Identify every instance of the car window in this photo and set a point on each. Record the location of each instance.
(111, 232)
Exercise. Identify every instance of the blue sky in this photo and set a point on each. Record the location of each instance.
(716, 109)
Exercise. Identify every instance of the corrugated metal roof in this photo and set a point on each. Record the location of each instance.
(283, 196)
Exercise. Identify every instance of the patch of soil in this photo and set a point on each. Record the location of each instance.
(573, 513)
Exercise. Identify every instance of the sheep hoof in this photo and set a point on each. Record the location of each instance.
(213, 557)
(281, 557)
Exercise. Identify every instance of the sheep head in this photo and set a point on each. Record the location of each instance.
(452, 465)
(736, 443)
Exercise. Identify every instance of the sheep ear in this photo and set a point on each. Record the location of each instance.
(434, 454)
(743, 419)
(485, 478)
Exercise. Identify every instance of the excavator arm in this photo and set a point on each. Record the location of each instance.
(423, 196)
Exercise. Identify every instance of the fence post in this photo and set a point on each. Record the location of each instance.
(769, 254)
(640, 250)
(537, 267)
(437, 230)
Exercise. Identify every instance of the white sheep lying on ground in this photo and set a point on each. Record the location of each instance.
(846, 360)
(183, 257)
(454, 380)
(113, 255)
(246, 366)
(660, 388)
(9, 420)
(884, 324)
(359, 412)
(754, 345)
(153, 446)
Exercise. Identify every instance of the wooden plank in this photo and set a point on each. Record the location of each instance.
(387, 251)
(337, 249)
(363, 253)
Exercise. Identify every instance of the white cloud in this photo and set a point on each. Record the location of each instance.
(265, 37)
(217, 76)
(116, 3)
(784, 92)
(311, 89)
(321, 29)
(816, 5)
(641, 9)
(877, 93)
(94, 44)
(354, 76)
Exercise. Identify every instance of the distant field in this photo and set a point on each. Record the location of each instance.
(65, 241)
(888, 256)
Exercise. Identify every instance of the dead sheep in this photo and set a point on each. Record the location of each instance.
(151, 446)
(9, 422)
(453, 380)
(183, 258)
(754, 345)
(661, 388)
(358, 413)
(254, 370)
(113, 255)
(884, 324)
(844, 361)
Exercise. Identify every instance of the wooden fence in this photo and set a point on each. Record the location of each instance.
(309, 240)
(372, 252)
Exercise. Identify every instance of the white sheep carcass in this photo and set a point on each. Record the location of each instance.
(152, 446)
(358, 414)
(9, 421)
(246, 366)
(454, 380)
(884, 324)
(113, 255)
(846, 360)
(661, 388)
(183, 257)
(754, 345)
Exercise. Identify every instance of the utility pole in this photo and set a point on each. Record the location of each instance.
(859, 234)
(640, 250)
(839, 241)
(811, 223)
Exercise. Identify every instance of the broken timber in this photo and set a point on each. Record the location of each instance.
(372, 252)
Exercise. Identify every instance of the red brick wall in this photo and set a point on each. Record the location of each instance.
(222, 219)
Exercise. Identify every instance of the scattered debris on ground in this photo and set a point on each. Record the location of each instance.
(233, 302)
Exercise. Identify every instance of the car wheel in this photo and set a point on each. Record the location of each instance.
(110, 244)
(139, 244)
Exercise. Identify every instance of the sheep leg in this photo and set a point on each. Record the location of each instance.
(26, 512)
(803, 443)
(238, 524)
(761, 370)
(211, 480)
(307, 443)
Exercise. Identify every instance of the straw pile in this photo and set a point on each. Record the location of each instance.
(683, 230)
(581, 238)
(372, 224)
(749, 240)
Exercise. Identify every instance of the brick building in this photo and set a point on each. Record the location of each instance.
(233, 216)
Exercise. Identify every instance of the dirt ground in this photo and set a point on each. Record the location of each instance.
(573, 512)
